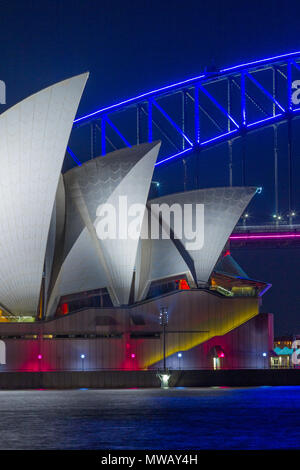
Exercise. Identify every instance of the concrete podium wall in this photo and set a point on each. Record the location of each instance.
(147, 379)
(112, 338)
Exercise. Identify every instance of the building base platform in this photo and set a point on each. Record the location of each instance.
(147, 379)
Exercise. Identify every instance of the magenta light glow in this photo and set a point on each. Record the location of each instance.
(40, 357)
(265, 236)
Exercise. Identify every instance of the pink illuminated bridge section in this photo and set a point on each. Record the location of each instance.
(265, 236)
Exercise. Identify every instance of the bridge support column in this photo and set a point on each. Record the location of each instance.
(229, 129)
(230, 162)
(276, 170)
(290, 171)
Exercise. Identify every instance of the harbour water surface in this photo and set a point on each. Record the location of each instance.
(203, 418)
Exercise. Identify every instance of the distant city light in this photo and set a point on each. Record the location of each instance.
(265, 354)
(82, 356)
(40, 357)
(133, 355)
(179, 354)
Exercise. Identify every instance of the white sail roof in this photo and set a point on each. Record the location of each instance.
(123, 173)
(33, 135)
(222, 209)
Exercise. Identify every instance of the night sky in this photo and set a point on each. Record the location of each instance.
(134, 46)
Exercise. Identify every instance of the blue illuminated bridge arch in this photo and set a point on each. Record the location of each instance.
(215, 107)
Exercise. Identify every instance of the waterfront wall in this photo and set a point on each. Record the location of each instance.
(147, 379)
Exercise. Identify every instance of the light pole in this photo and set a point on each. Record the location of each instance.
(164, 375)
(265, 360)
(133, 358)
(163, 319)
(179, 355)
(245, 217)
(82, 361)
(292, 214)
(40, 357)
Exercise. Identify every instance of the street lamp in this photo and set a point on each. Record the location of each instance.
(82, 356)
(163, 320)
(245, 217)
(277, 218)
(133, 360)
(265, 361)
(291, 215)
(40, 357)
(179, 355)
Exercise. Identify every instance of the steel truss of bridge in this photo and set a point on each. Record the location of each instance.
(214, 107)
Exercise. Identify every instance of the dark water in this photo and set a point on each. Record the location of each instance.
(209, 418)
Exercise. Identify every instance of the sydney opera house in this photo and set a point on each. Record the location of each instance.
(71, 300)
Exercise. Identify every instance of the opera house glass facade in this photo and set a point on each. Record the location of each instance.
(89, 262)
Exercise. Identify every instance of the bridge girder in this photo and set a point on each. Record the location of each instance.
(213, 108)
(269, 86)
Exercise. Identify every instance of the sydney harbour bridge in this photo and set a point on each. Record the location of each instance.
(234, 126)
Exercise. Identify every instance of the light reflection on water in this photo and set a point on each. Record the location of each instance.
(183, 418)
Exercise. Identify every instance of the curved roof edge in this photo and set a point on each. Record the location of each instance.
(34, 134)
